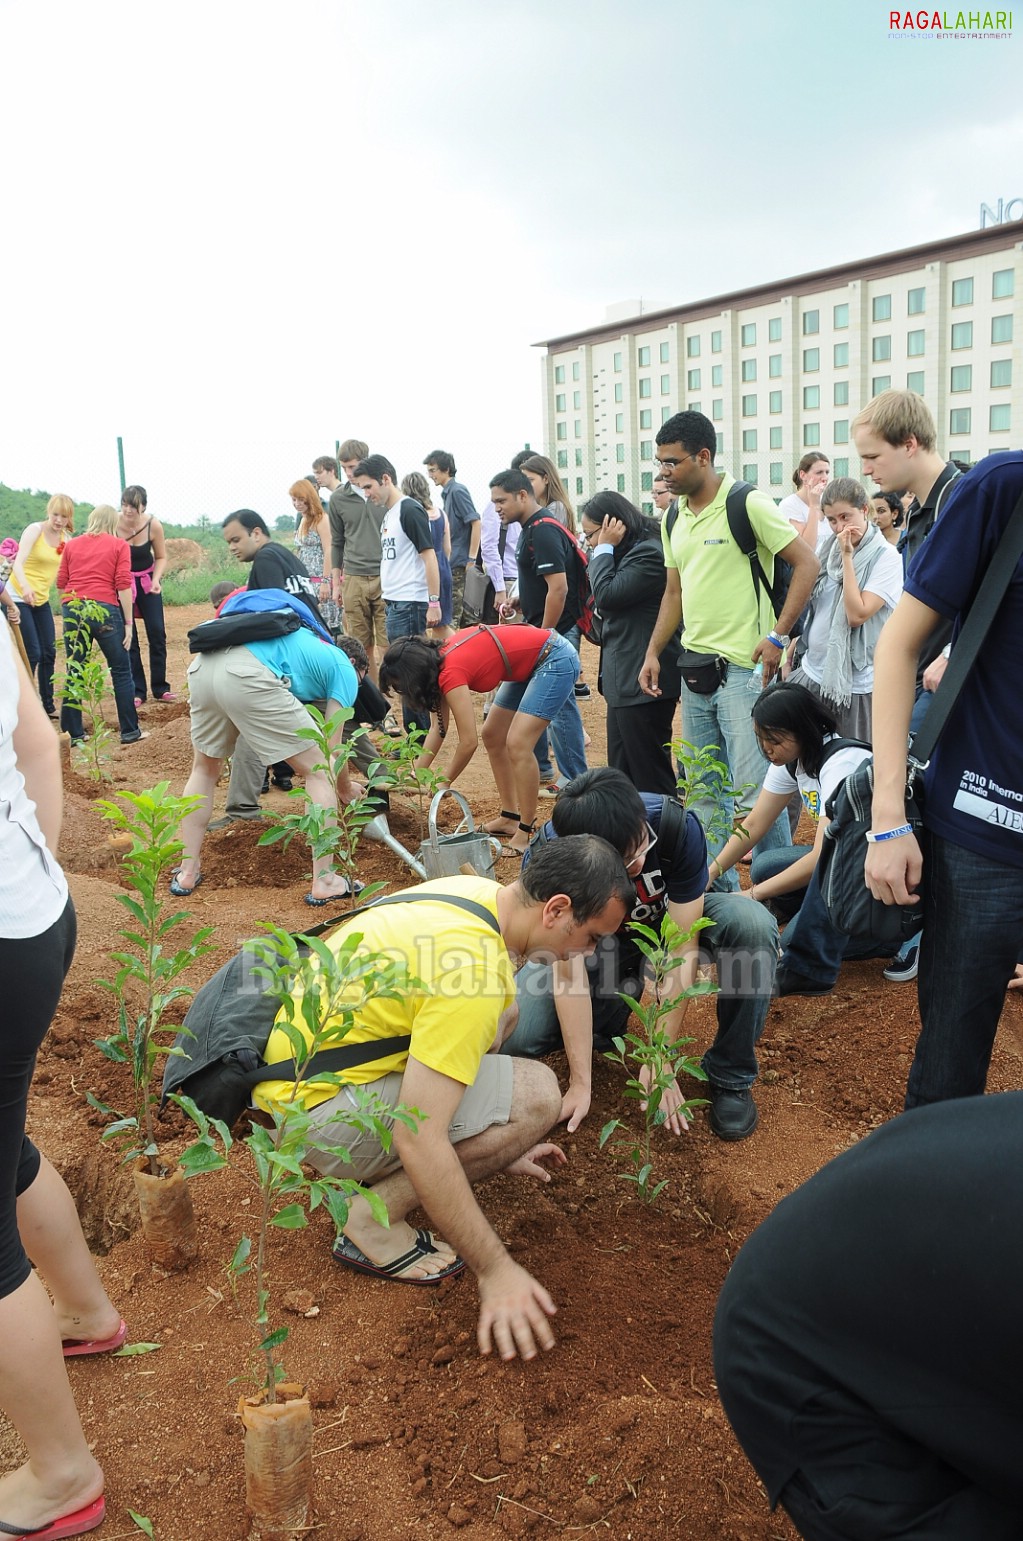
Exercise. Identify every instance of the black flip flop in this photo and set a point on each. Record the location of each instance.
(349, 1256)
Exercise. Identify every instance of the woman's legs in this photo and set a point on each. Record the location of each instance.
(522, 735)
(110, 636)
(46, 637)
(495, 742)
(150, 607)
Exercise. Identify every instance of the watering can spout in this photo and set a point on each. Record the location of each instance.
(378, 829)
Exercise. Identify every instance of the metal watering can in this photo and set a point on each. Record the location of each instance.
(445, 856)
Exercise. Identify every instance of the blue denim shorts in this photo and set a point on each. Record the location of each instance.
(548, 687)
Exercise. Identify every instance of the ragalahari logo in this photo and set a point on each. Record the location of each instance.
(951, 25)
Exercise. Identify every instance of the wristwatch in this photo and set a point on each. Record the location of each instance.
(779, 642)
(433, 599)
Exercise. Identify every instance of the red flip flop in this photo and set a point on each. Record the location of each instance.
(73, 1346)
(75, 1524)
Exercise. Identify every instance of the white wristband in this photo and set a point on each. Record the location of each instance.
(888, 834)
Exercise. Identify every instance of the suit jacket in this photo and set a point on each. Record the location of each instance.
(627, 591)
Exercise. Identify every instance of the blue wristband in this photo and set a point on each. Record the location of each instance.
(778, 642)
(889, 834)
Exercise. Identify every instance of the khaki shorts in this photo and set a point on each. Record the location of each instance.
(485, 1103)
(364, 611)
(231, 693)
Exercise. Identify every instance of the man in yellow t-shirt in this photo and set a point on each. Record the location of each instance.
(726, 618)
(480, 1112)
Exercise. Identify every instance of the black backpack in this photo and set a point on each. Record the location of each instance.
(741, 531)
(217, 1058)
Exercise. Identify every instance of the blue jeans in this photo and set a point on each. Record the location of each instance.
(79, 635)
(723, 720)
(743, 943)
(39, 638)
(407, 618)
(549, 686)
(973, 931)
(811, 945)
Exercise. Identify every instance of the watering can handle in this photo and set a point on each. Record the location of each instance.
(467, 824)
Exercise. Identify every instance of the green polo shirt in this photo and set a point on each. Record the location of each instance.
(718, 600)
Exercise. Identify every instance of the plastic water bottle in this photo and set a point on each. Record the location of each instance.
(755, 683)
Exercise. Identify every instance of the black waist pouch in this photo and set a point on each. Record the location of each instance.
(702, 673)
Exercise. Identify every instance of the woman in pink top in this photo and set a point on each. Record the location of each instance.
(536, 670)
(97, 568)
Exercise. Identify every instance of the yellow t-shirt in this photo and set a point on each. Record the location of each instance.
(718, 601)
(466, 981)
(41, 566)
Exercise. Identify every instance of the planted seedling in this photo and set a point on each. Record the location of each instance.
(86, 686)
(705, 788)
(399, 772)
(652, 1062)
(148, 981)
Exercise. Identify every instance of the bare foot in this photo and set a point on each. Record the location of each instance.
(94, 1327)
(28, 1502)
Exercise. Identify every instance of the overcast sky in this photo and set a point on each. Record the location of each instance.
(236, 232)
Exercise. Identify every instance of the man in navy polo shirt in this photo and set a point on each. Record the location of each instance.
(578, 1004)
(463, 523)
(968, 878)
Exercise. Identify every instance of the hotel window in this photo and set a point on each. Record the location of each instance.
(840, 467)
(882, 307)
(646, 449)
(811, 397)
(775, 434)
(774, 366)
(577, 428)
(645, 387)
(915, 343)
(715, 342)
(811, 322)
(619, 422)
(692, 347)
(811, 435)
(962, 291)
(559, 403)
(841, 434)
(618, 390)
(665, 385)
(559, 374)
(962, 334)
(643, 359)
(578, 486)
(749, 472)
(749, 335)
(841, 317)
(620, 453)
(777, 473)
(719, 444)
(578, 457)
(717, 374)
(811, 360)
(959, 419)
(1003, 284)
(774, 401)
(749, 370)
(915, 381)
(881, 350)
(841, 396)
(915, 302)
(665, 352)
(1000, 418)
(880, 383)
(717, 409)
(665, 414)
(646, 481)
(694, 406)
(646, 418)
(1001, 372)
(1001, 328)
(648, 509)
(577, 399)
(774, 329)
(841, 355)
(749, 406)
(575, 371)
(621, 482)
(562, 430)
(562, 459)
(693, 380)
(749, 438)
(618, 363)
(962, 377)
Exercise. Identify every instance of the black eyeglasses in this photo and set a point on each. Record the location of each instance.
(669, 465)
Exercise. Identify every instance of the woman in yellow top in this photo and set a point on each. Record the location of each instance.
(35, 571)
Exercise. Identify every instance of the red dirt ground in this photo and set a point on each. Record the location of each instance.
(619, 1431)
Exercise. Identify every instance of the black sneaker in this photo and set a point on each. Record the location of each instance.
(264, 789)
(732, 1114)
(284, 782)
(788, 982)
(582, 690)
(902, 970)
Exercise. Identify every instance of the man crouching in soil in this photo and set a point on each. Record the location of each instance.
(481, 1112)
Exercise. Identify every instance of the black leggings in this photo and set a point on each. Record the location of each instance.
(33, 971)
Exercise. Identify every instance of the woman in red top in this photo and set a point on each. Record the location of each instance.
(536, 670)
(97, 567)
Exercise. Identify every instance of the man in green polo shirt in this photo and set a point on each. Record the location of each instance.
(725, 619)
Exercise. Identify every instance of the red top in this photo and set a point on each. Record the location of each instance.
(95, 567)
(477, 662)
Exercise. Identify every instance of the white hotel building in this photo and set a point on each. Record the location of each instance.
(784, 368)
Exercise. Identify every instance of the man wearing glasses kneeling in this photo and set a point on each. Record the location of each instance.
(577, 1005)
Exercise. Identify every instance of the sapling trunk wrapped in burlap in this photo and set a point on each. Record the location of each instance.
(278, 1462)
(168, 1222)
